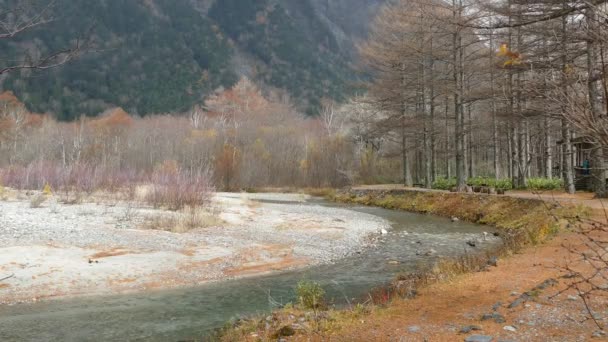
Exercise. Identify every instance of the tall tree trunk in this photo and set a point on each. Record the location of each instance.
(495, 148)
(407, 178)
(432, 110)
(567, 168)
(428, 180)
(595, 102)
(448, 165)
(458, 55)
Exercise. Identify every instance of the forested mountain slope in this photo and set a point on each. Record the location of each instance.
(153, 56)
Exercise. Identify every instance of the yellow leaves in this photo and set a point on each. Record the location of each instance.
(47, 191)
(259, 149)
(208, 133)
(502, 50)
(513, 58)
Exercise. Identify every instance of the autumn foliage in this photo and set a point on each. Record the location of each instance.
(240, 138)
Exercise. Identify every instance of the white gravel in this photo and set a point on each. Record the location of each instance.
(52, 251)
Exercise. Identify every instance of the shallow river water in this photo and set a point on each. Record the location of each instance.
(183, 314)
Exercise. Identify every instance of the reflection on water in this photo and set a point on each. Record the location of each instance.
(191, 313)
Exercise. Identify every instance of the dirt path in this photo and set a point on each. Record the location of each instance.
(442, 310)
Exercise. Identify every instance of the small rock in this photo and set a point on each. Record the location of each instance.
(509, 328)
(478, 338)
(493, 261)
(496, 306)
(486, 317)
(472, 243)
(455, 219)
(413, 329)
(572, 298)
(384, 231)
(545, 284)
(286, 331)
(498, 318)
(468, 328)
(599, 333)
(393, 262)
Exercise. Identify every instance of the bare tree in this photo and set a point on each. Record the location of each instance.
(25, 16)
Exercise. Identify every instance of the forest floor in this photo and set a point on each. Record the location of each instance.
(100, 246)
(454, 310)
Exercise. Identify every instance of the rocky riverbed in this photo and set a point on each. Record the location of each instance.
(103, 247)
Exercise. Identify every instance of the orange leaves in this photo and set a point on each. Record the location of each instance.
(168, 167)
(241, 100)
(114, 118)
(114, 122)
(227, 162)
(9, 99)
(513, 58)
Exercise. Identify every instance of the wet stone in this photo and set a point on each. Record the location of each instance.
(468, 328)
(413, 329)
(478, 338)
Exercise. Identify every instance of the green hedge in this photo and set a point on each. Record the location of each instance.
(545, 183)
(447, 184)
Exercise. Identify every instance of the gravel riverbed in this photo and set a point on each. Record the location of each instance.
(61, 250)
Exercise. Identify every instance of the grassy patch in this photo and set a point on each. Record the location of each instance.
(535, 218)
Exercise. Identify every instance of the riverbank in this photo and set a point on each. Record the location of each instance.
(522, 220)
(523, 296)
(53, 250)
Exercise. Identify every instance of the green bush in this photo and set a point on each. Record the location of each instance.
(444, 183)
(310, 294)
(505, 184)
(479, 181)
(545, 183)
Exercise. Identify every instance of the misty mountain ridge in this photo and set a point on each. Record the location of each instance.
(158, 56)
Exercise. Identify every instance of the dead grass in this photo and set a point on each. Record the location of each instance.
(184, 221)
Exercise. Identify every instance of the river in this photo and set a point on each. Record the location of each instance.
(182, 314)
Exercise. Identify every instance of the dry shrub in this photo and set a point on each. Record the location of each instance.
(171, 186)
(176, 189)
(83, 178)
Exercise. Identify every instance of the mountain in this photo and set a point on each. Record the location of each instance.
(155, 56)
